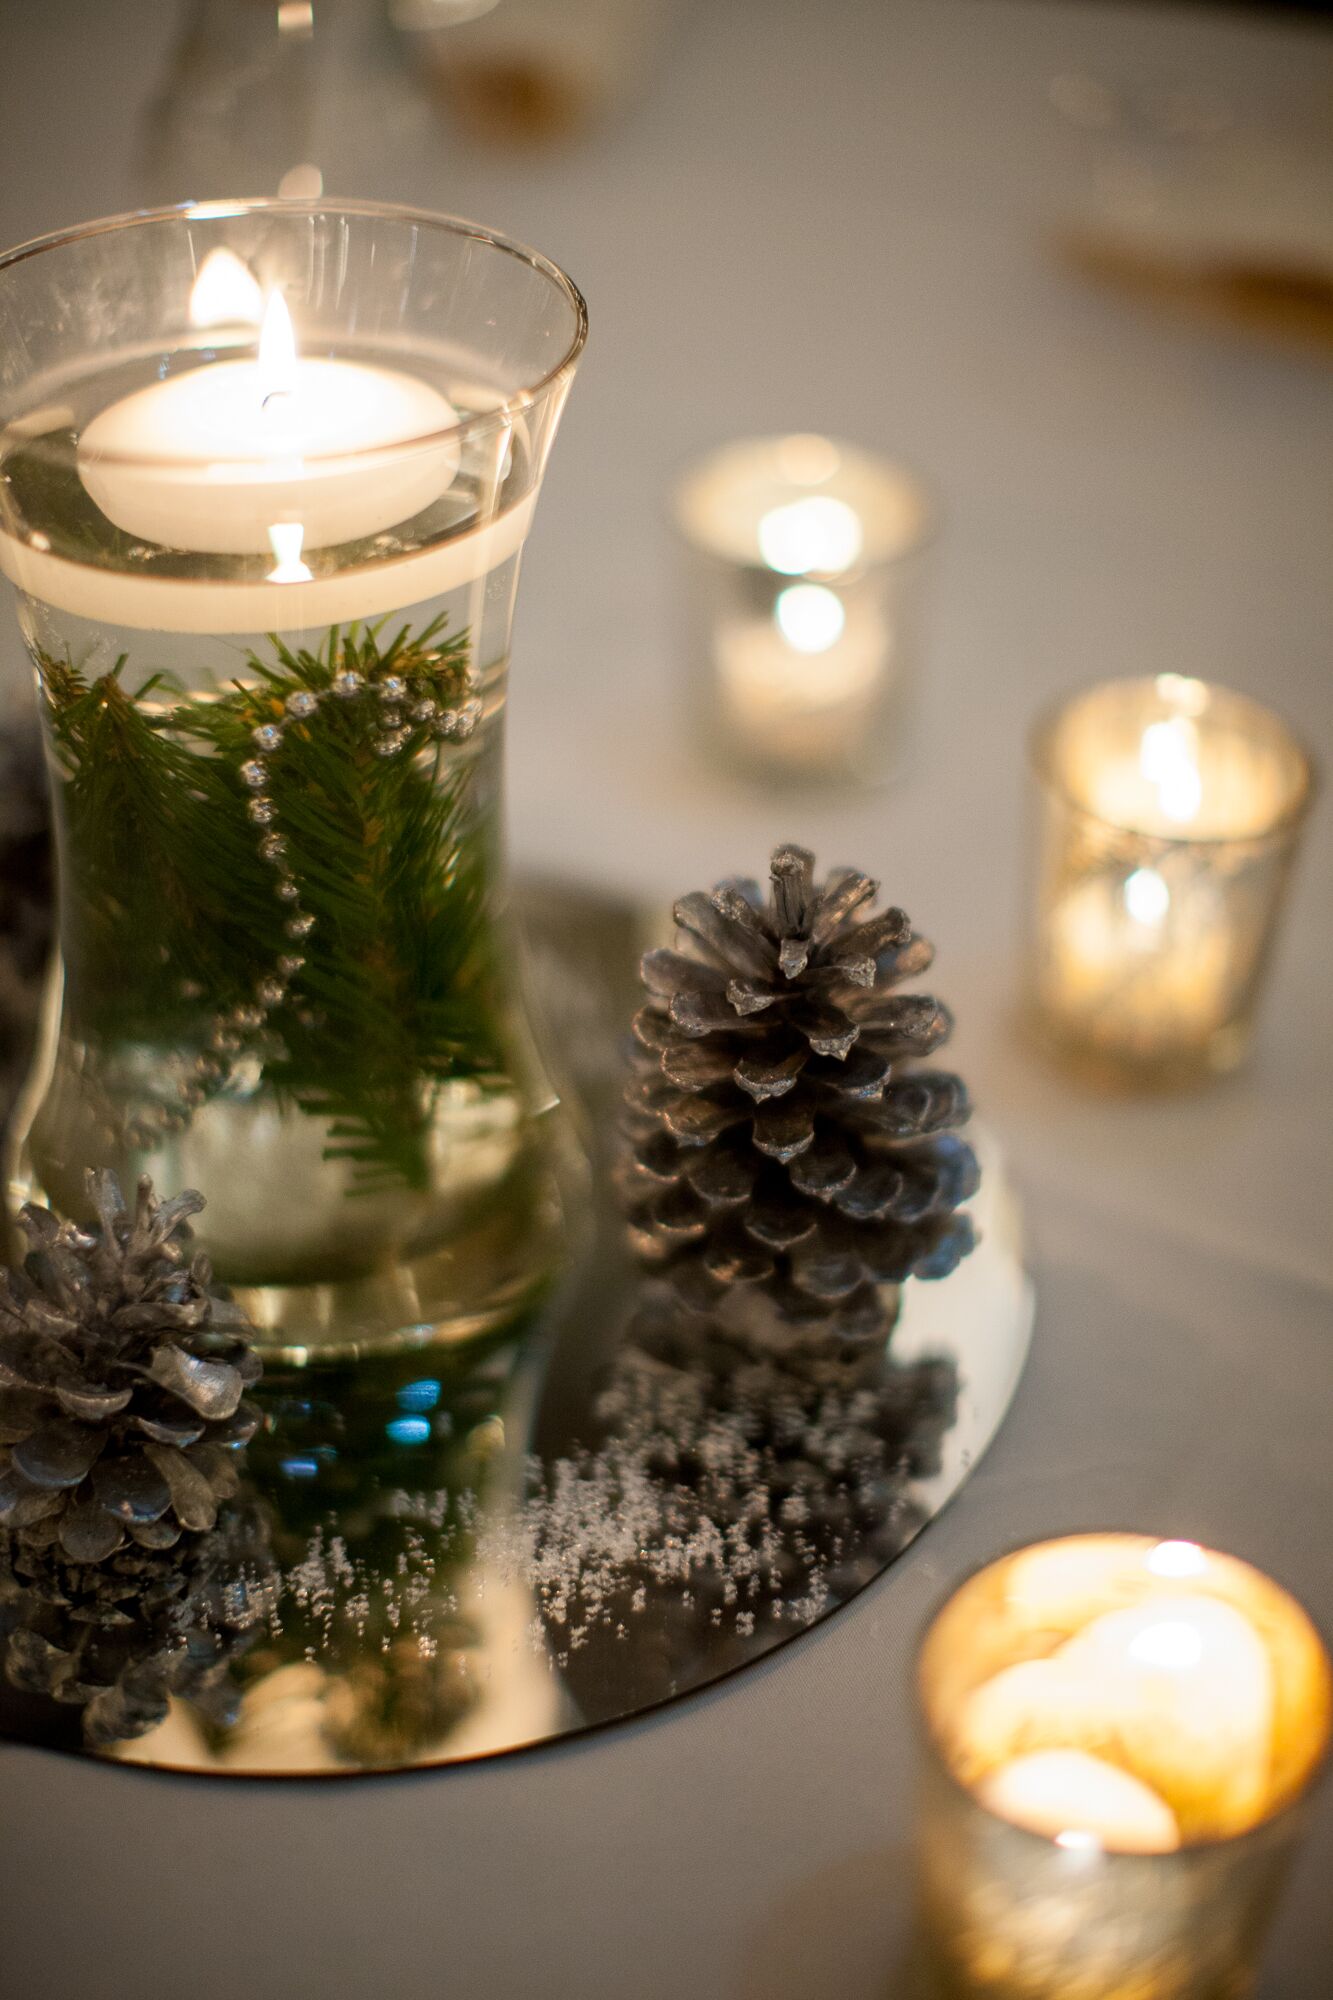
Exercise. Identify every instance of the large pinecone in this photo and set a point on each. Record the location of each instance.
(790, 1165)
(122, 1377)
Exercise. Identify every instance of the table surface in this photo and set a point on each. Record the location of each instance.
(832, 218)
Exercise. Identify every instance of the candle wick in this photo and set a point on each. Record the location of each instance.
(274, 396)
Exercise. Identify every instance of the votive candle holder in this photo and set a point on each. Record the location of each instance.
(1121, 1734)
(803, 564)
(1168, 816)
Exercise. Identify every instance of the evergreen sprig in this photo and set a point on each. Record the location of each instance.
(171, 919)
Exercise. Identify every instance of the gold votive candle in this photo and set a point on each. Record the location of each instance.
(1120, 1735)
(803, 562)
(1168, 816)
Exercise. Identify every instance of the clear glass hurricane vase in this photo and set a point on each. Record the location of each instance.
(267, 472)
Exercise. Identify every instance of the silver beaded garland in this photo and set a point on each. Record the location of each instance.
(392, 734)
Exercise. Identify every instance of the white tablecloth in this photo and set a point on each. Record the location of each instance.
(821, 217)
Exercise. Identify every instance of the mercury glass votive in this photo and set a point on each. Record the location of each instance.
(1120, 1734)
(803, 565)
(1169, 812)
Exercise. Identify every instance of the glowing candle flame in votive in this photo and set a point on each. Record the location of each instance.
(818, 532)
(1147, 898)
(1173, 1644)
(277, 350)
(810, 618)
(1168, 759)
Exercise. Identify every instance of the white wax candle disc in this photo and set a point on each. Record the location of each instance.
(212, 459)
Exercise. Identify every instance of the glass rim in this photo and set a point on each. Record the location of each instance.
(1314, 1776)
(903, 472)
(1042, 765)
(512, 407)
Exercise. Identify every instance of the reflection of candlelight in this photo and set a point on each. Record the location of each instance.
(799, 685)
(1120, 1730)
(1169, 818)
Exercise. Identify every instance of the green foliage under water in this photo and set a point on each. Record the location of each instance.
(174, 927)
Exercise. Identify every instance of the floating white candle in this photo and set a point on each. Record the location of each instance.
(212, 459)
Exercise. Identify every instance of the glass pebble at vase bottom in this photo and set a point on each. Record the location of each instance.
(1120, 1738)
(803, 566)
(268, 469)
(1169, 813)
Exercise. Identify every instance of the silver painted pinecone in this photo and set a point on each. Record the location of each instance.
(789, 1165)
(122, 1376)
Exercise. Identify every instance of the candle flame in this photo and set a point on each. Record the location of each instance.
(1172, 1644)
(225, 292)
(277, 349)
(816, 533)
(1168, 758)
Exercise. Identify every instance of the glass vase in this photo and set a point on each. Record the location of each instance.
(268, 469)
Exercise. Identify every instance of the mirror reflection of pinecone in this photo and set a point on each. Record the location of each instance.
(790, 1166)
(118, 1639)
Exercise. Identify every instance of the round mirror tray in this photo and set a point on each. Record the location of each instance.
(452, 1552)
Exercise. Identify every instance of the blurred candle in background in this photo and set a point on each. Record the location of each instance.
(1169, 813)
(802, 588)
(1119, 1735)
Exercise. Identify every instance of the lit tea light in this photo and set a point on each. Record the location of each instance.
(801, 568)
(208, 460)
(1121, 1705)
(1170, 811)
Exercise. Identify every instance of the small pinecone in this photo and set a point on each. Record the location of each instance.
(121, 1381)
(788, 1171)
